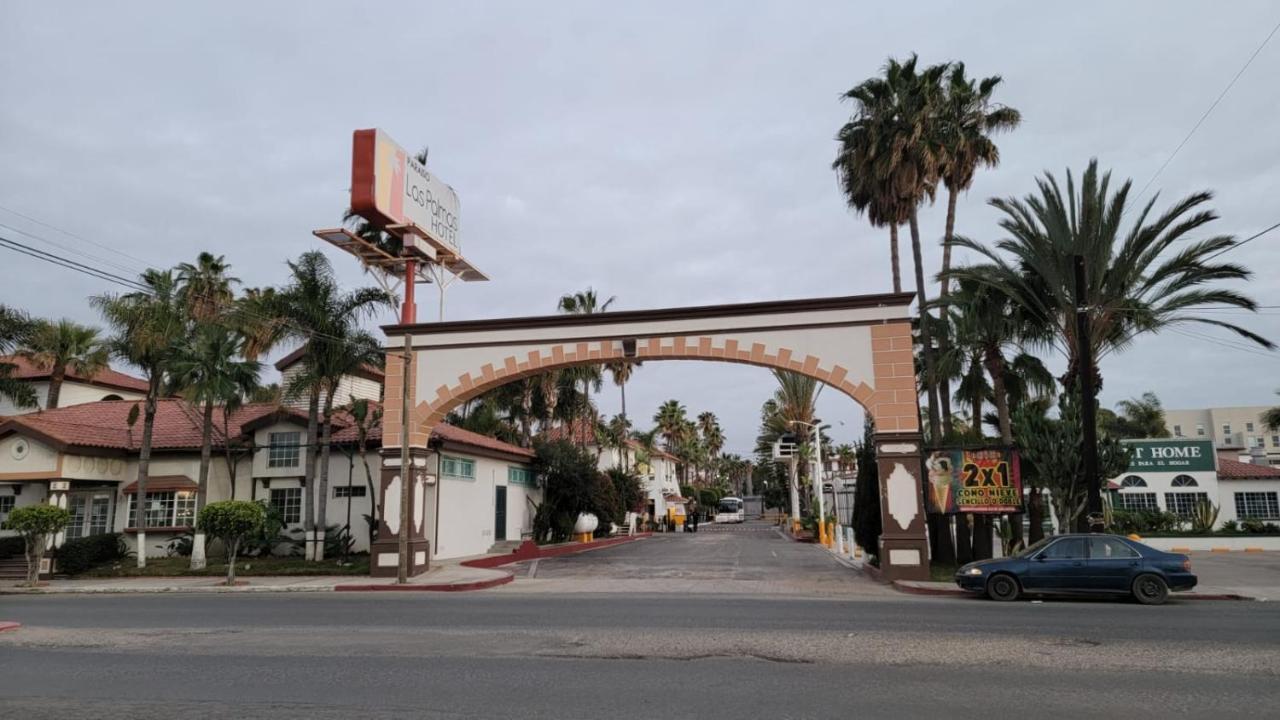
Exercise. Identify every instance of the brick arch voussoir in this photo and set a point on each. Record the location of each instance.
(501, 371)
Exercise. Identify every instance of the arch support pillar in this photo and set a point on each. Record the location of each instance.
(904, 542)
(384, 553)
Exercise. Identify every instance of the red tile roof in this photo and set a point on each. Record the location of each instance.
(104, 425)
(1236, 470)
(27, 370)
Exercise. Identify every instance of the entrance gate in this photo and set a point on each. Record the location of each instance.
(860, 345)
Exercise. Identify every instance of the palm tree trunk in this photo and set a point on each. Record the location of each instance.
(922, 299)
(893, 257)
(626, 460)
(368, 481)
(144, 467)
(309, 474)
(964, 539)
(202, 485)
(946, 242)
(322, 498)
(56, 377)
(995, 368)
(944, 399)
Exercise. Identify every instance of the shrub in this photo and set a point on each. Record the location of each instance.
(271, 538)
(232, 521)
(10, 546)
(1125, 522)
(34, 523)
(1229, 527)
(76, 556)
(1253, 527)
(630, 492)
(572, 485)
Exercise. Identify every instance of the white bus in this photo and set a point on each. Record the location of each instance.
(730, 511)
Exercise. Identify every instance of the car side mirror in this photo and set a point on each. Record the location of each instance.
(1040, 558)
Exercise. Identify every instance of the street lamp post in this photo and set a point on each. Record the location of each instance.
(816, 474)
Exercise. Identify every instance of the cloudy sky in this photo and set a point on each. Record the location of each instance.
(664, 153)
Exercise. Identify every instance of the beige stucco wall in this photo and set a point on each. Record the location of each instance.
(73, 393)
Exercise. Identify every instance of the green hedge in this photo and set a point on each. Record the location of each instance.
(76, 556)
(12, 546)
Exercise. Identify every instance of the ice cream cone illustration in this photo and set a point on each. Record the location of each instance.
(940, 482)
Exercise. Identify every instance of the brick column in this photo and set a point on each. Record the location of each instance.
(384, 553)
(904, 544)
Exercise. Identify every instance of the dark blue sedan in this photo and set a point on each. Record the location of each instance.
(1089, 564)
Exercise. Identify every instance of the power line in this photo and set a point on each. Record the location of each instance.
(70, 234)
(67, 263)
(1210, 110)
(81, 253)
(1244, 242)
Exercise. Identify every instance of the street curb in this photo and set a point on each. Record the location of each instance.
(943, 592)
(440, 587)
(9, 626)
(165, 590)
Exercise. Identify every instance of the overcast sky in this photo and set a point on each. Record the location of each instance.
(665, 153)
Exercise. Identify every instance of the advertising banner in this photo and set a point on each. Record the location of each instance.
(974, 481)
(1169, 455)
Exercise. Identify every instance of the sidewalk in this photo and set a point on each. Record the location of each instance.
(443, 577)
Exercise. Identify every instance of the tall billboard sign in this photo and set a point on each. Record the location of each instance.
(389, 187)
(974, 481)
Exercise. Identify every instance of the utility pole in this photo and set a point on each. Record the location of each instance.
(408, 315)
(1088, 414)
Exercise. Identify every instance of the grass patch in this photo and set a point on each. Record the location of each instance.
(178, 566)
(939, 572)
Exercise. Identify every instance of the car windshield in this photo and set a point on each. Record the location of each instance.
(1034, 548)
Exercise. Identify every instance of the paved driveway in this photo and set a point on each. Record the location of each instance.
(1251, 574)
(750, 558)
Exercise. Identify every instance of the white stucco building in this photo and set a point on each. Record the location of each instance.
(1175, 474)
(84, 457)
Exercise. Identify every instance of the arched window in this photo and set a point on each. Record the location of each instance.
(1184, 481)
(1133, 481)
(112, 397)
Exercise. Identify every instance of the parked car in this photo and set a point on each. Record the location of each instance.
(1087, 564)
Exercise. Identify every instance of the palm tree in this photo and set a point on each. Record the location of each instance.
(14, 327)
(314, 310)
(1139, 417)
(1271, 418)
(585, 302)
(621, 370)
(148, 326)
(366, 416)
(966, 120)
(1137, 282)
(61, 346)
(670, 420)
(901, 157)
(210, 371)
(205, 287)
(712, 435)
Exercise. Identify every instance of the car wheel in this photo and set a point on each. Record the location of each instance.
(1150, 589)
(1002, 587)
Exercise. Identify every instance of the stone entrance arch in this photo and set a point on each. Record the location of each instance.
(860, 345)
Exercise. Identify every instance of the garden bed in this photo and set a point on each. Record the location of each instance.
(180, 566)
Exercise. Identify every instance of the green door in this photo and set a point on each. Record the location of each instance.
(500, 513)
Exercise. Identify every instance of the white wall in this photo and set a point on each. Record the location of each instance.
(73, 393)
(466, 518)
(1228, 489)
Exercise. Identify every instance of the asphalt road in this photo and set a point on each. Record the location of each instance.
(514, 654)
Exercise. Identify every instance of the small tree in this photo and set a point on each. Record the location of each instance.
(231, 521)
(35, 523)
(866, 498)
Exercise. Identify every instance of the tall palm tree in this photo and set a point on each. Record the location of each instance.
(894, 150)
(621, 371)
(314, 310)
(366, 416)
(148, 326)
(1138, 279)
(966, 121)
(205, 287)
(712, 435)
(585, 302)
(14, 327)
(61, 346)
(210, 371)
(670, 420)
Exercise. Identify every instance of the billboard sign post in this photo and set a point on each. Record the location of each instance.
(985, 481)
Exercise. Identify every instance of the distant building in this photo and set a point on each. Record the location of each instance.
(1228, 427)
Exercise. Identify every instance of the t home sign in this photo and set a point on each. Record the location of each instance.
(1171, 455)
